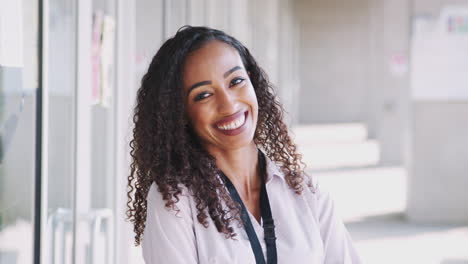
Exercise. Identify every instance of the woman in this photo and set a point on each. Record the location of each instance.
(215, 176)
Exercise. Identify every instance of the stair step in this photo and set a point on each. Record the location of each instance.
(365, 192)
(332, 146)
(340, 155)
(322, 133)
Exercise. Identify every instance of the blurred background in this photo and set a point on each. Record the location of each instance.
(376, 94)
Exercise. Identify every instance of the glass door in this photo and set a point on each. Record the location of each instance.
(18, 94)
(60, 22)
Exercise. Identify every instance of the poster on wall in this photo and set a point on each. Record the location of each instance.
(439, 61)
(103, 43)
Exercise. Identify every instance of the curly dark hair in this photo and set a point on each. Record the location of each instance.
(166, 151)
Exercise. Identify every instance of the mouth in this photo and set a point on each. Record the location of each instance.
(232, 125)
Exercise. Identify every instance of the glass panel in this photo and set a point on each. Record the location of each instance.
(18, 88)
(102, 133)
(61, 72)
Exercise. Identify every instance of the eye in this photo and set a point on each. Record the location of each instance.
(236, 81)
(201, 96)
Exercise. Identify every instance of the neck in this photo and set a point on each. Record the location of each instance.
(241, 167)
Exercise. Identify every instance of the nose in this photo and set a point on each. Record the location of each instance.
(227, 102)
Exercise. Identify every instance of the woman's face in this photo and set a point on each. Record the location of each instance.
(220, 100)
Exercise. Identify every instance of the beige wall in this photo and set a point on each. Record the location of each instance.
(335, 47)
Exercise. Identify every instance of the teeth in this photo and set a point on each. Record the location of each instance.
(234, 124)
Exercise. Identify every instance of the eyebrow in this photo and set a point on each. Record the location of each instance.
(225, 75)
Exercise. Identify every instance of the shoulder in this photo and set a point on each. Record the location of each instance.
(338, 245)
(313, 187)
(155, 195)
(319, 199)
(169, 234)
(156, 205)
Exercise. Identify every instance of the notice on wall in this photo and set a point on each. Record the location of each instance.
(103, 48)
(439, 61)
(398, 64)
(11, 33)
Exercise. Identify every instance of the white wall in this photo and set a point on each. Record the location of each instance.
(438, 154)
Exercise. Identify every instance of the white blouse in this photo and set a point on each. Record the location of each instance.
(307, 228)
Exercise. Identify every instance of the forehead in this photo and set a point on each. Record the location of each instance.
(212, 60)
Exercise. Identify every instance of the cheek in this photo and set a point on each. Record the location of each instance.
(252, 98)
(199, 118)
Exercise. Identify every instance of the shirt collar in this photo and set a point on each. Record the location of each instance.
(272, 169)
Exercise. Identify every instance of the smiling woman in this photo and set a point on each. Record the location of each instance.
(215, 176)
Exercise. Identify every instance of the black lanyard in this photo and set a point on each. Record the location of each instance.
(268, 223)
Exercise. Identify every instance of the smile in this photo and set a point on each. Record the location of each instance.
(232, 125)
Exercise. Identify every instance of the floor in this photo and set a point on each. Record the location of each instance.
(371, 201)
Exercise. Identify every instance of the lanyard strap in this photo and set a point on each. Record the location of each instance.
(268, 223)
